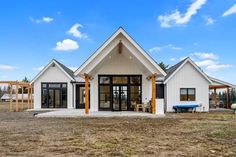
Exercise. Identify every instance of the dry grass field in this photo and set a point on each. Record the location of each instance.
(5, 106)
(205, 134)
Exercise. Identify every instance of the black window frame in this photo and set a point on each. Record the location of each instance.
(53, 88)
(128, 84)
(188, 95)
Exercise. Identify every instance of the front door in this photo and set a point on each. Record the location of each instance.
(80, 96)
(120, 101)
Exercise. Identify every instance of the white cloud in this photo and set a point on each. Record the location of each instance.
(205, 55)
(172, 59)
(212, 66)
(209, 20)
(66, 45)
(176, 18)
(38, 68)
(44, 19)
(155, 49)
(7, 67)
(174, 47)
(160, 48)
(74, 30)
(230, 11)
(209, 62)
(217, 67)
(205, 63)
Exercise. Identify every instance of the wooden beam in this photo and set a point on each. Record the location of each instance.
(218, 86)
(10, 107)
(86, 93)
(28, 90)
(14, 83)
(22, 98)
(154, 93)
(228, 99)
(17, 97)
(31, 91)
(215, 99)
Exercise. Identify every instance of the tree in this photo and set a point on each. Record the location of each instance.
(233, 96)
(25, 80)
(163, 66)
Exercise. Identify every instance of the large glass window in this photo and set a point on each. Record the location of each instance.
(187, 94)
(104, 80)
(54, 95)
(104, 96)
(119, 79)
(135, 80)
(44, 98)
(135, 94)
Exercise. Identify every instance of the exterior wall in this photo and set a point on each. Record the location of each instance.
(187, 77)
(52, 74)
(118, 65)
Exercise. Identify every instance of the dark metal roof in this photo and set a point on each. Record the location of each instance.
(172, 69)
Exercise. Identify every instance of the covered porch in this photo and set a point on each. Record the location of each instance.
(219, 86)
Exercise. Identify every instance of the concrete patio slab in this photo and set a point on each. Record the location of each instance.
(74, 113)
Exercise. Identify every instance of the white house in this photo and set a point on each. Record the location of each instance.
(119, 74)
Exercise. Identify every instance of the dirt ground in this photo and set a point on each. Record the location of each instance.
(185, 134)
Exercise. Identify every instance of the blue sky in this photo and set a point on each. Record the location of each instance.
(34, 32)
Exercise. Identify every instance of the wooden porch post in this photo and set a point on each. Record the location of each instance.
(86, 93)
(31, 97)
(28, 95)
(215, 97)
(17, 97)
(228, 99)
(22, 98)
(10, 107)
(153, 93)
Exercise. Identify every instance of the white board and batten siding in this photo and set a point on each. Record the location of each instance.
(187, 77)
(54, 75)
(118, 65)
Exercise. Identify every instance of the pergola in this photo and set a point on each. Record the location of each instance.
(22, 85)
(219, 84)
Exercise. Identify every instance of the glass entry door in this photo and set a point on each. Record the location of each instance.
(54, 98)
(120, 101)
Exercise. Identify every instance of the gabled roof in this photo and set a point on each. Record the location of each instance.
(135, 44)
(69, 73)
(174, 69)
(67, 70)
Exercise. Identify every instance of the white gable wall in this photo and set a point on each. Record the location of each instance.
(187, 77)
(118, 64)
(54, 75)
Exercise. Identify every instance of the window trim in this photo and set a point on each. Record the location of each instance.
(187, 89)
